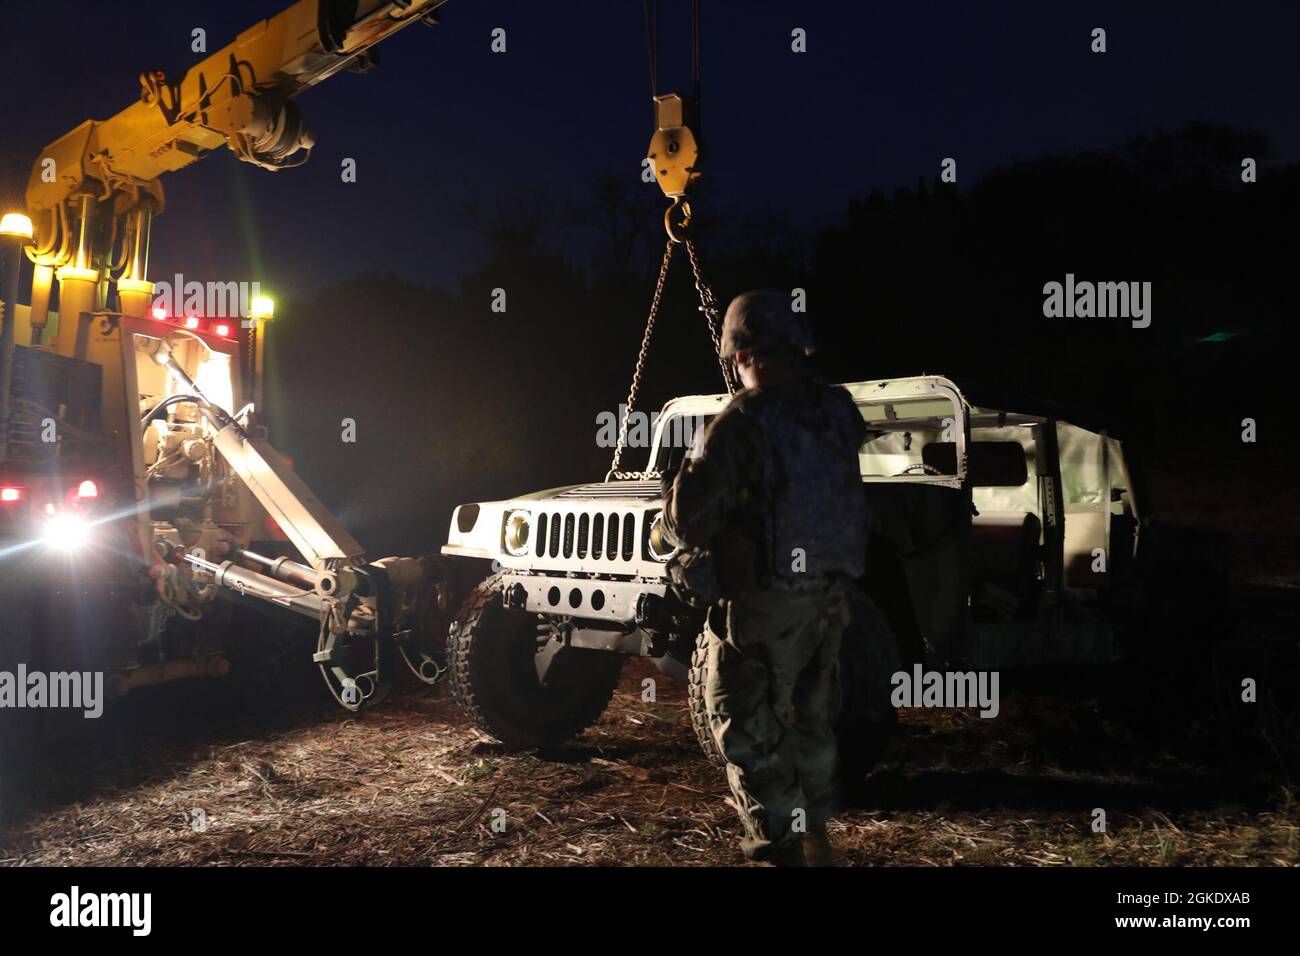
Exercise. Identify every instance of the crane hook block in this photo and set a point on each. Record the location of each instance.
(674, 150)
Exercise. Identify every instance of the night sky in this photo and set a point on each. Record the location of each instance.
(883, 93)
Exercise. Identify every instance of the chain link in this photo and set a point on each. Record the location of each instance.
(709, 306)
(640, 360)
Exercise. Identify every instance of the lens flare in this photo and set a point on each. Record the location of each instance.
(66, 532)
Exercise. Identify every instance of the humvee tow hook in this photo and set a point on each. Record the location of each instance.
(650, 610)
(515, 597)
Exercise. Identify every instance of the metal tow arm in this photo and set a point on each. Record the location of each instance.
(367, 610)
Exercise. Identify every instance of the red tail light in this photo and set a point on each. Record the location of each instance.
(221, 330)
(159, 313)
(191, 322)
(9, 494)
(87, 489)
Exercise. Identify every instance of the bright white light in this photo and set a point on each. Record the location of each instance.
(214, 380)
(66, 532)
(15, 224)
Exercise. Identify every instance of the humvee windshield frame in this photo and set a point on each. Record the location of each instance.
(903, 415)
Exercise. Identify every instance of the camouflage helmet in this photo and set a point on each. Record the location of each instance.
(764, 322)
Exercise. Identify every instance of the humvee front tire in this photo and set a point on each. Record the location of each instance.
(867, 719)
(695, 701)
(490, 660)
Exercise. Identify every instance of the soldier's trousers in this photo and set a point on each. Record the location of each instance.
(772, 696)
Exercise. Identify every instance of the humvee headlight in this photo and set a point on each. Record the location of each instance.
(657, 540)
(519, 526)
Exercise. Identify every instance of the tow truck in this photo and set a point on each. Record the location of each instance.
(137, 482)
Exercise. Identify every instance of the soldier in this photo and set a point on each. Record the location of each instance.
(771, 517)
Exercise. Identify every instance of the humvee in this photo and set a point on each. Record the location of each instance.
(999, 539)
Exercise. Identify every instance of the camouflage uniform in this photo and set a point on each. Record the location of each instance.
(774, 496)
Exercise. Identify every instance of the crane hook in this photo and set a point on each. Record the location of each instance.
(678, 230)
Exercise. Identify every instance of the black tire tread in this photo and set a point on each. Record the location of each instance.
(695, 702)
(465, 655)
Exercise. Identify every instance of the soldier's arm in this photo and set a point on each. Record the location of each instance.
(711, 485)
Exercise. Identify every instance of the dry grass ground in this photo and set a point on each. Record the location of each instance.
(411, 784)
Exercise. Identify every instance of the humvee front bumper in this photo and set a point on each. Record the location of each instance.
(595, 599)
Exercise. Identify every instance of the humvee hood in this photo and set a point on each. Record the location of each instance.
(643, 490)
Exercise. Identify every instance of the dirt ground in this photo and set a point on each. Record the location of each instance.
(208, 776)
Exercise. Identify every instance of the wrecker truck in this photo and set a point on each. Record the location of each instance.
(136, 480)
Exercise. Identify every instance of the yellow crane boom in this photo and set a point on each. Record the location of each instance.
(93, 192)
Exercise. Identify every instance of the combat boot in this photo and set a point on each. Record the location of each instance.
(792, 854)
(817, 847)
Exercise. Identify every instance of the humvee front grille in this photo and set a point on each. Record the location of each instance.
(610, 536)
(611, 543)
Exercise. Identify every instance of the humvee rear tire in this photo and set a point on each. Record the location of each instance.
(867, 719)
(490, 659)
